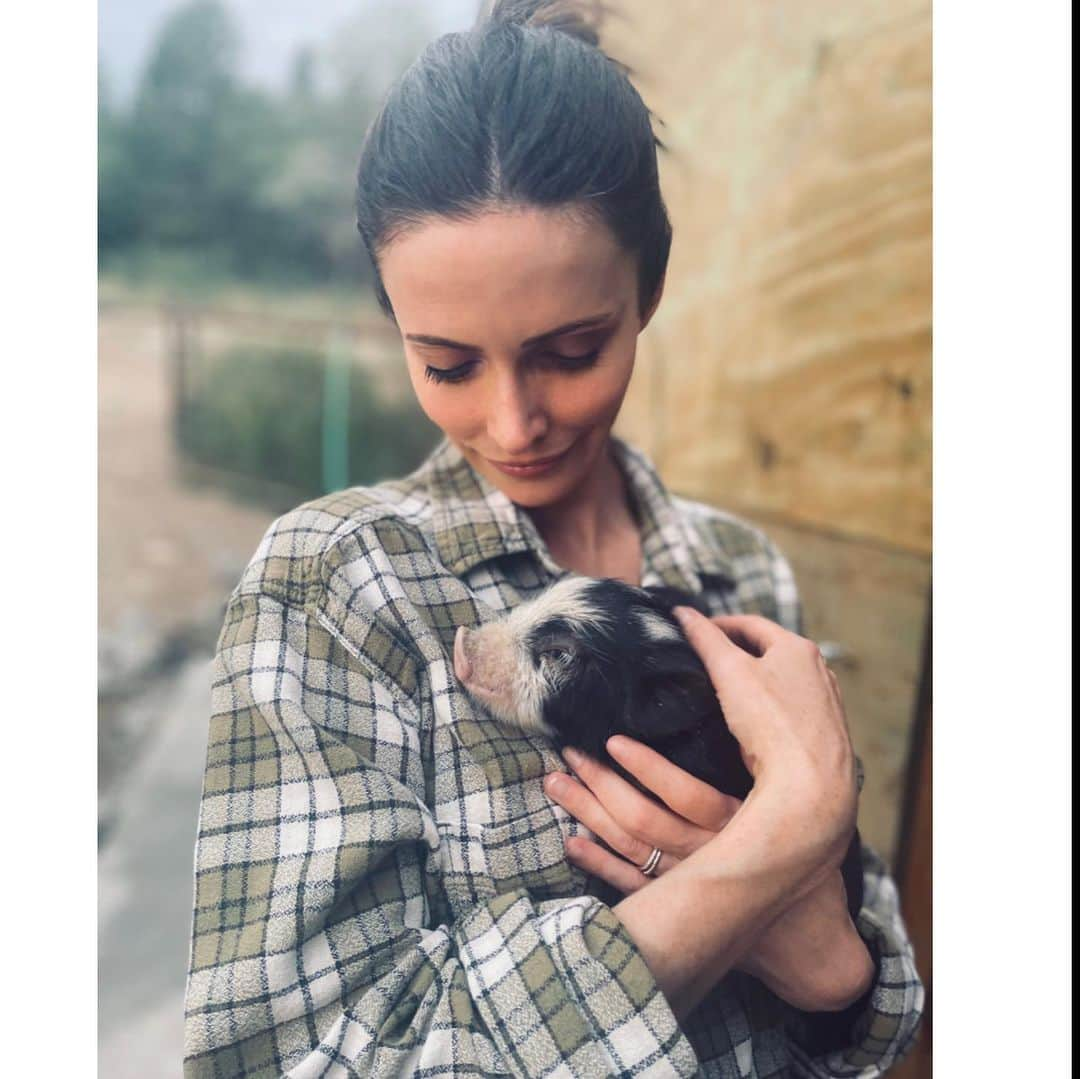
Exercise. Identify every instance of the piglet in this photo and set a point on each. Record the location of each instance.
(587, 659)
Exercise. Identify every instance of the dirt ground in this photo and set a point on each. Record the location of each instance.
(168, 553)
(168, 556)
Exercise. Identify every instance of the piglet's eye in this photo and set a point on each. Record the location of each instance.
(554, 655)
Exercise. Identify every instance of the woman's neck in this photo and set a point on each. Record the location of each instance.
(593, 531)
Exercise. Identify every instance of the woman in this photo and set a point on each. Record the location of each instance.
(385, 882)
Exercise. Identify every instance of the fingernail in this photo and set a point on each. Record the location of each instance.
(681, 613)
(553, 782)
(572, 756)
(616, 744)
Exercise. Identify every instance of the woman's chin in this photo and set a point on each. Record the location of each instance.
(537, 494)
(533, 495)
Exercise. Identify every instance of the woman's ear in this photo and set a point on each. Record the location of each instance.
(646, 318)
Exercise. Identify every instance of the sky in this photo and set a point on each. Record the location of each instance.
(271, 30)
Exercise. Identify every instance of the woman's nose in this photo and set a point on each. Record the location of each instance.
(516, 419)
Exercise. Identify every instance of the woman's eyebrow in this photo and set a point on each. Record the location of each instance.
(569, 327)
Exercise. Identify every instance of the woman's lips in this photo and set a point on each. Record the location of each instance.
(536, 467)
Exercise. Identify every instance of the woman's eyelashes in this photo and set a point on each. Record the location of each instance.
(449, 374)
(575, 363)
(558, 360)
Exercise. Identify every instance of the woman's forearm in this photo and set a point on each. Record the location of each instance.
(695, 923)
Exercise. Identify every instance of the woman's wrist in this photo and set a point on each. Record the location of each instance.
(812, 955)
(799, 834)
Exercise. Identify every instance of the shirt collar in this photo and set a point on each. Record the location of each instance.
(474, 522)
(679, 554)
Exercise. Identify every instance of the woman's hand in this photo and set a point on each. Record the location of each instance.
(630, 823)
(783, 704)
(811, 956)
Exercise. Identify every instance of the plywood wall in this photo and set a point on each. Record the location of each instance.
(787, 372)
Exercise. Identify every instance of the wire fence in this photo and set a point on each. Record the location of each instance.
(284, 406)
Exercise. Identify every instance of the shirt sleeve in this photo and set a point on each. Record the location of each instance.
(887, 1018)
(322, 943)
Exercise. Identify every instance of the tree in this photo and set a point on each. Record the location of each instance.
(238, 180)
(204, 147)
(118, 208)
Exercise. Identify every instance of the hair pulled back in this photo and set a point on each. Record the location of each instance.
(523, 110)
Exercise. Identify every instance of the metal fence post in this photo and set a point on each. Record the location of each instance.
(335, 413)
(180, 364)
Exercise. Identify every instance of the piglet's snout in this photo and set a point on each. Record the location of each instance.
(484, 662)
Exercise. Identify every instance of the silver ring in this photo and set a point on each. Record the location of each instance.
(649, 868)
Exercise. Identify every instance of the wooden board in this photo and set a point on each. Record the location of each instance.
(789, 363)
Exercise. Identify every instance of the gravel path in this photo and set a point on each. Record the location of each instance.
(169, 553)
(168, 556)
(145, 884)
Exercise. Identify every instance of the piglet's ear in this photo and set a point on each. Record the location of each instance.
(666, 598)
(667, 704)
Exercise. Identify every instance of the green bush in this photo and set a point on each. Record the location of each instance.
(259, 413)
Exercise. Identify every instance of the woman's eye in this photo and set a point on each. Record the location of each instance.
(463, 371)
(575, 363)
(449, 374)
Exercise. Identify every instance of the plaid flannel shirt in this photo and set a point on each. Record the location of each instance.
(381, 886)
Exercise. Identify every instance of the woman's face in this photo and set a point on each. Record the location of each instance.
(520, 329)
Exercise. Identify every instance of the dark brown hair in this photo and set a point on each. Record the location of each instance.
(524, 109)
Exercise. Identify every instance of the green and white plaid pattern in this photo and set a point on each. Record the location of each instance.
(381, 885)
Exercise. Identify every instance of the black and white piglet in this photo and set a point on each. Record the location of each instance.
(589, 658)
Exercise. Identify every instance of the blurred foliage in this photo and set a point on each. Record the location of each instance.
(259, 413)
(203, 179)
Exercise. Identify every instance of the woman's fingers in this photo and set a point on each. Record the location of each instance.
(715, 649)
(682, 792)
(752, 632)
(581, 803)
(627, 820)
(601, 863)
